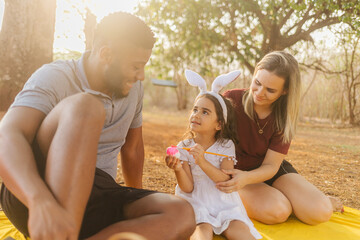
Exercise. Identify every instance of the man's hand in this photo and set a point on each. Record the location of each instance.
(48, 220)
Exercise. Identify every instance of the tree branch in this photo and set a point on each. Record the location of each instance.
(352, 59)
(302, 21)
(291, 40)
(309, 86)
(321, 67)
(254, 7)
(285, 18)
(247, 64)
(356, 77)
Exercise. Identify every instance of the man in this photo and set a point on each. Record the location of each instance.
(60, 138)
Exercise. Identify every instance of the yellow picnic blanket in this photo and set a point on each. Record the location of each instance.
(342, 226)
(8, 230)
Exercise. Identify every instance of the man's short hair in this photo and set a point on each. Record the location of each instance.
(120, 27)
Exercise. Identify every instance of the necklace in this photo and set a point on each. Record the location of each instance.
(261, 130)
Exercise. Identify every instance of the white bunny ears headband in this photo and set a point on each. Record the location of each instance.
(221, 81)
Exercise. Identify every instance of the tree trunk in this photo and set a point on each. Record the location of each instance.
(181, 91)
(26, 41)
(90, 23)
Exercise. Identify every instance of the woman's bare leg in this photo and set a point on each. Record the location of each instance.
(265, 204)
(336, 204)
(309, 204)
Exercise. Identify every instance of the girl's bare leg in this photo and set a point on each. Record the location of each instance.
(203, 231)
(238, 230)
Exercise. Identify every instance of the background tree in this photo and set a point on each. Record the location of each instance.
(184, 40)
(255, 28)
(89, 26)
(351, 74)
(89, 19)
(220, 34)
(26, 41)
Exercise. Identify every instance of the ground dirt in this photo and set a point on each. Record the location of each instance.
(325, 155)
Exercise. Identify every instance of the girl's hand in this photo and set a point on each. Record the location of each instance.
(198, 153)
(173, 162)
(238, 181)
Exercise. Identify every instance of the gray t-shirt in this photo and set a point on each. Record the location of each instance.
(58, 80)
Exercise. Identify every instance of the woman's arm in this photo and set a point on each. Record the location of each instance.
(182, 173)
(267, 170)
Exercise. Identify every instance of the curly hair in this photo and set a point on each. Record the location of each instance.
(122, 26)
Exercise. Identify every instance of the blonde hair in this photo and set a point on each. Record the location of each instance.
(286, 107)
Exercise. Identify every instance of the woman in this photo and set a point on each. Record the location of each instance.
(270, 187)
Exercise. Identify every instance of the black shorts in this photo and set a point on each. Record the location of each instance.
(105, 205)
(285, 168)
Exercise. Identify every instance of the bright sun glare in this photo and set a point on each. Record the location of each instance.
(72, 38)
(69, 24)
(69, 34)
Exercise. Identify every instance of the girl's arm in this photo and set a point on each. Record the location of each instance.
(210, 170)
(267, 170)
(182, 173)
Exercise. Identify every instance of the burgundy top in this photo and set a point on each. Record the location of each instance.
(252, 147)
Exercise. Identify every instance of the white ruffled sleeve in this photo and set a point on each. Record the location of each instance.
(229, 150)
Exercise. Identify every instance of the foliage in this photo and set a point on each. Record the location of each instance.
(69, 54)
(350, 76)
(201, 31)
(212, 36)
(337, 74)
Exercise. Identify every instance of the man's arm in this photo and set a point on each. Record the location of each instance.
(47, 219)
(132, 158)
(17, 164)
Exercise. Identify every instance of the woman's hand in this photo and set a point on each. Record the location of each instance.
(239, 179)
(173, 162)
(198, 153)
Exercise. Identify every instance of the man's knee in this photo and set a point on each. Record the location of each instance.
(182, 215)
(84, 106)
(175, 215)
(79, 112)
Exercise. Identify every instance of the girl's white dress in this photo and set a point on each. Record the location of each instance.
(210, 204)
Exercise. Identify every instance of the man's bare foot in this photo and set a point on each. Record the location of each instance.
(337, 204)
(126, 236)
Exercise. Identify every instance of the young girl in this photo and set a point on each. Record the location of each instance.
(211, 129)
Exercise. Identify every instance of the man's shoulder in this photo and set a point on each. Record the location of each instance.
(55, 73)
(58, 67)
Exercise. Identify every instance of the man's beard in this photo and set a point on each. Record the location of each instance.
(115, 82)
